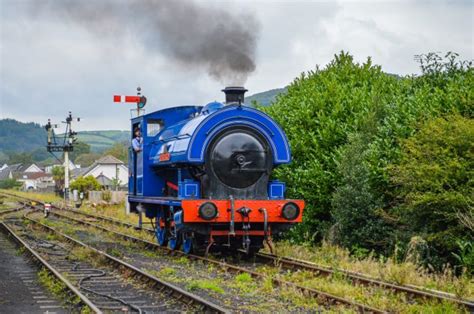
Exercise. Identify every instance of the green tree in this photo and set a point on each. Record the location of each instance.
(327, 112)
(9, 184)
(85, 184)
(85, 160)
(434, 181)
(356, 207)
(80, 148)
(20, 158)
(119, 151)
(58, 177)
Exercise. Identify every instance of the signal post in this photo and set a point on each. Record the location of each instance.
(64, 145)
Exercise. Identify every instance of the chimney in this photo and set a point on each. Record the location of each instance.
(234, 94)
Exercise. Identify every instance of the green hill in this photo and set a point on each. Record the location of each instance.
(20, 137)
(102, 140)
(16, 136)
(265, 98)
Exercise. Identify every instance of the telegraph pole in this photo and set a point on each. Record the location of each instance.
(65, 146)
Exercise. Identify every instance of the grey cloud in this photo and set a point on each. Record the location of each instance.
(194, 35)
(48, 66)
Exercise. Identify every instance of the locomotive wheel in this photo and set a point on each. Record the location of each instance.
(161, 236)
(194, 245)
(188, 245)
(174, 243)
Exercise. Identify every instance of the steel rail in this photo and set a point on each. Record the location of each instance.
(180, 294)
(9, 211)
(354, 277)
(358, 278)
(327, 298)
(291, 263)
(39, 260)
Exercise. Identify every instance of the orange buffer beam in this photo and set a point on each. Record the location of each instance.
(273, 207)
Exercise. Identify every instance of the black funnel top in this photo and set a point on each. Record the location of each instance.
(234, 94)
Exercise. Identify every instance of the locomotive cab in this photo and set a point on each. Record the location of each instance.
(203, 177)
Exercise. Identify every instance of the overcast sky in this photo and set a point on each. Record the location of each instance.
(49, 66)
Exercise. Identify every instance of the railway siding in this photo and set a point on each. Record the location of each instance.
(301, 269)
(407, 295)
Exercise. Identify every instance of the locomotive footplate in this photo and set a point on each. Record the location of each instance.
(276, 211)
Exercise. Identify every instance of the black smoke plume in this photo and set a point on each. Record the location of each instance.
(192, 34)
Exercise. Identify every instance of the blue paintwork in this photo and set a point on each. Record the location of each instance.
(189, 189)
(174, 243)
(155, 200)
(185, 134)
(161, 236)
(187, 141)
(178, 219)
(276, 189)
(188, 245)
(148, 182)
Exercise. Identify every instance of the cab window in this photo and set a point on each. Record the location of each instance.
(154, 126)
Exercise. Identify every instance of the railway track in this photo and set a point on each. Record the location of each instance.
(24, 276)
(412, 292)
(162, 290)
(36, 257)
(286, 263)
(324, 298)
(101, 288)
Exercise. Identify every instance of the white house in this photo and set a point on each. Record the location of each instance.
(32, 176)
(105, 170)
(35, 180)
(32, 168)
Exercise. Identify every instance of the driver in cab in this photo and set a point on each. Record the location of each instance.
(137, 142)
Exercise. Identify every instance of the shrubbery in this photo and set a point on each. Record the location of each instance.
(85, 184)
(9, 184)
(434, 182)
(347, 124)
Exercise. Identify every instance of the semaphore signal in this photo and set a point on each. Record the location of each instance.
(138, 99)
(64, 144)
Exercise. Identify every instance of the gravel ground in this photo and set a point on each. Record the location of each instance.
(20, 290)
(111, 283)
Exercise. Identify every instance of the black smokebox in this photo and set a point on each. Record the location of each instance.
(234, 94)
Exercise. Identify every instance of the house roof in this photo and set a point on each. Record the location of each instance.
(25, 167)
(5, 173)
(104, 180)
(79, 172)
(108, 160)
(105, 160)
(32, 175)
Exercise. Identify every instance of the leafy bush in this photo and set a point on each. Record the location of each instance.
(435, 183)
(9, 184)
(345, 124)
(318, 112)
(85, 184)
(354, 203)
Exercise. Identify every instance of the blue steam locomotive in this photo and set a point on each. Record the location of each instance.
(203, 176)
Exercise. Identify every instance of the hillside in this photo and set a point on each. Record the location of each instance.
(102, 140)
(20, 137)
(265, 98)
(17, 136)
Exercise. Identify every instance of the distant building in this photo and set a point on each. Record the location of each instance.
(72, 166)
(9, 171)
(35, 180)
(106, 170)
(31, 175)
